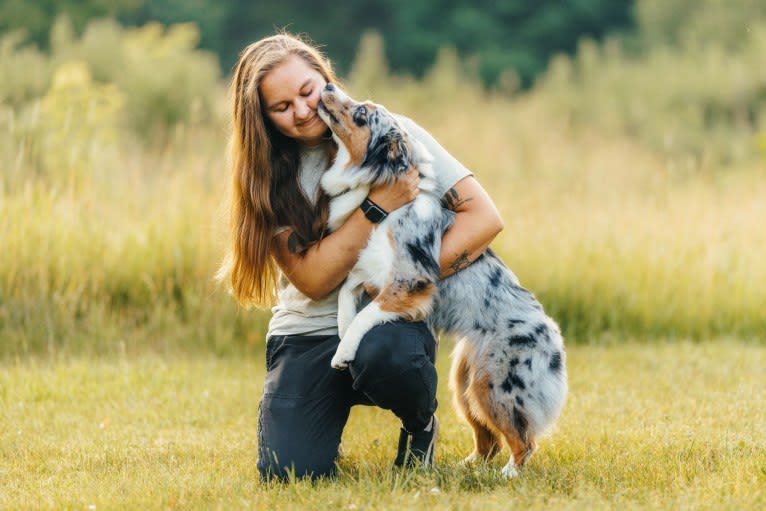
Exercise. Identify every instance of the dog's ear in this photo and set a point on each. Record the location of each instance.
(398, 152)
(389, 154)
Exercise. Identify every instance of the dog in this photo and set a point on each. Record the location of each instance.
(508, 372)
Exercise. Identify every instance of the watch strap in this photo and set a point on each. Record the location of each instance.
(372, 211)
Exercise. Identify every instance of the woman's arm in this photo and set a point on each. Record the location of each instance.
(322, 267)
(476, 224)
(477, 221)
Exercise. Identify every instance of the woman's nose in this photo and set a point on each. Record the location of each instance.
(303, 110)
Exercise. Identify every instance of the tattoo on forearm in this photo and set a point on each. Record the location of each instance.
(462, 261)
(452, 200)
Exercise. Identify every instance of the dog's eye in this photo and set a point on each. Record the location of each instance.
(360, 116)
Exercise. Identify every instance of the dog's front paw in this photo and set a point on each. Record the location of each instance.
(343, 357)
(339, 363)
(332, 182)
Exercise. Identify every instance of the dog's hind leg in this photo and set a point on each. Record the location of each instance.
(501, 417)
(486, 443)
(522, 446)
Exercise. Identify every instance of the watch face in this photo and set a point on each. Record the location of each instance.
(373, 213)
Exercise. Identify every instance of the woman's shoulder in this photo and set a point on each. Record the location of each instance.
(448, 169)
(413, 128)
(424, 137)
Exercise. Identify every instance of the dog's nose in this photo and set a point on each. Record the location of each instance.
(329, 87)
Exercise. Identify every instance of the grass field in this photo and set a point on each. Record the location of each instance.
(647, 426)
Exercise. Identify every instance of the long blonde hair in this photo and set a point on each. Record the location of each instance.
(265, 189)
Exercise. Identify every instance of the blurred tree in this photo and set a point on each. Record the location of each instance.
(336, 26)
(36, 17)
(496, 35)
(698, 22)
(209, 15)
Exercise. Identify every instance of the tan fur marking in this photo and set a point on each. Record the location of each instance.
(393, 148)
(410, 304)
(356, 141)
(497, 419)
(371, 290)
(355, 138)
(521, 451)
(411, 300)
(486, 441)
(476, 405)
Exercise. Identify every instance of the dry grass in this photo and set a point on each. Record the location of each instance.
(646, 426)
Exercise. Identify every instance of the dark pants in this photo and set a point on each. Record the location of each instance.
(306, 403)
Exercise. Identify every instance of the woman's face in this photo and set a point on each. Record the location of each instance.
(290, 94)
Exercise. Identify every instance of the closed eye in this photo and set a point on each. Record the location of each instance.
(279, 108)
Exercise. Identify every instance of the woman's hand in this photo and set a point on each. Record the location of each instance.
(397, 194)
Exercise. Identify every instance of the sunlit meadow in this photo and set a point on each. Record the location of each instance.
(130, 379)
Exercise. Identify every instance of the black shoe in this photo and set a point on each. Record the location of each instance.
(417, 449)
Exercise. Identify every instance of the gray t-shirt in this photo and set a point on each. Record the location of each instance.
(297, 314)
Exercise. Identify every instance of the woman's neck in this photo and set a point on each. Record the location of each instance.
(313, 144)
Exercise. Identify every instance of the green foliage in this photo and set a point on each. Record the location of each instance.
(24, 70)
(702, 105)
(169, 80)
(77, 118)
(37, 17)
(698, 23)
(497, 35)
(162, 76)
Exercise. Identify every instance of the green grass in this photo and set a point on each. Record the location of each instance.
(648, 425)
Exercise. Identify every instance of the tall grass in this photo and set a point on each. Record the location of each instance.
(111, 188)
(612, 233)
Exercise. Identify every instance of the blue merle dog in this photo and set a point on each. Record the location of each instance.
(509, 365)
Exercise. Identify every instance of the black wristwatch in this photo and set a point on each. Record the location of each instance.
(372, 211)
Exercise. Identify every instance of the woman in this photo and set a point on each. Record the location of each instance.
(280, 147)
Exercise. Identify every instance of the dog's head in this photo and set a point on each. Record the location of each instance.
(370, 135)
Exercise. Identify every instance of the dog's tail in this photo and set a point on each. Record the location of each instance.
(551, 388)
